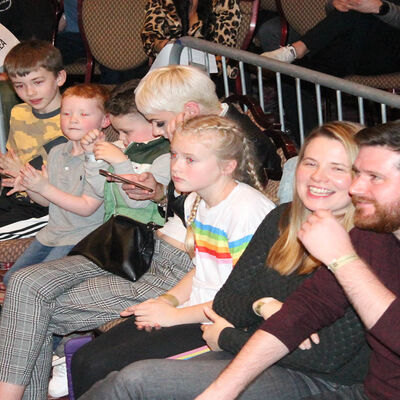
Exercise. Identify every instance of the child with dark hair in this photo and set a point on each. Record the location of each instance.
(136, 151)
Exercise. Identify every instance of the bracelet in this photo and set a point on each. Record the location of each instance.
(171, 299)
(259, 304)
(337, 263)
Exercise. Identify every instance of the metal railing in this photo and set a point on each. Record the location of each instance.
(361, 92)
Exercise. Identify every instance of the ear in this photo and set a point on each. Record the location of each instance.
(191, 109)
(61, 77)
(106, 122)
(228, 166)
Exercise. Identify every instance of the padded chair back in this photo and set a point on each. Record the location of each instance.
(384, 81)
(269, 5)
(112, 30)
(249, 11)
(302, 15)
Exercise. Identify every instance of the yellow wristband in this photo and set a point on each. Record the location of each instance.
(259, 303)
(337, 263)
(171, 299)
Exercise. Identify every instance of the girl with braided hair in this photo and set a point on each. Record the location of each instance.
(210, 159)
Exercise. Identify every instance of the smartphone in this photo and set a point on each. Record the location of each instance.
(118, 178)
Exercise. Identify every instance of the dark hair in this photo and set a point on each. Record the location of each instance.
(381, 135)
(204, 13)
(31, 55)
(122, 100)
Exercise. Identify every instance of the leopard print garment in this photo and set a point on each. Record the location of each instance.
(162, 22)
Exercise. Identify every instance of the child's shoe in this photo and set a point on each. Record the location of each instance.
(58, 385)
(285, 54)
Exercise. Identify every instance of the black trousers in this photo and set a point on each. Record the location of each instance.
(351, 42)
(14, 209)
(123, 345)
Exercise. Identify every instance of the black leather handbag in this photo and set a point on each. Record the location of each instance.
(121, 246)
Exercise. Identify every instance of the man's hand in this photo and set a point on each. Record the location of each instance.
(108, 152)
(341, 5)
(10, 163)
(324, 237)
(362, 6)
(211, 332)
(147, 179)
(91, 138)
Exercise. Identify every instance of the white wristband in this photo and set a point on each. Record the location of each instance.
(90, 157)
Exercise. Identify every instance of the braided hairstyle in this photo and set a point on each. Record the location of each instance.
(228, 142)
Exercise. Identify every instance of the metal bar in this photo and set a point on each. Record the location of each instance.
(207, 63)
(383, 113)
(361, 110)
(300, 110)
(260, 88)
(225, 76)
(319, 104)
(280, 101)
(242, 77)
(320, 78)
(339, 105)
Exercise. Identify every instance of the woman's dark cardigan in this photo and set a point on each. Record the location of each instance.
(342, 355)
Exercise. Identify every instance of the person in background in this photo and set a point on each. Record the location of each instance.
(351, 32)
(167, 20)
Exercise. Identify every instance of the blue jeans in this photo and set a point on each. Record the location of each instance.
(35, 254)
(183, 380)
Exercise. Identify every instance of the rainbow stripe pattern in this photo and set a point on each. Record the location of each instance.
(212, 242)
(191, 353)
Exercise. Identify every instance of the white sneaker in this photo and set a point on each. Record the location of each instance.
(285, 54)
(58, 385)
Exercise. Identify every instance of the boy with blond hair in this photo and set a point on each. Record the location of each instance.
(36, 72)
(75, 209)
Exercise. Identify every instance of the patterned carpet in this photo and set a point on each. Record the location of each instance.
(2, 293)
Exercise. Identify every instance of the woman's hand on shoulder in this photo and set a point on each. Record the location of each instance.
(212, 331)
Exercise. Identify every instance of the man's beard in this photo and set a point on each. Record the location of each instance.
(386, 219)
